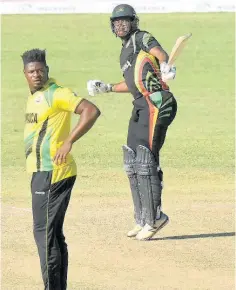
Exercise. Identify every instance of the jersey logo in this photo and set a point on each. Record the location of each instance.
(38, 99)
(40, 192)
(147, 38)
(126, 66)
(120, 10)
(31, 118)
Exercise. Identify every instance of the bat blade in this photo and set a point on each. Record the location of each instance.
(178, 47)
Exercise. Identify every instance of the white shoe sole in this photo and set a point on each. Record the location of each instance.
(133, 233)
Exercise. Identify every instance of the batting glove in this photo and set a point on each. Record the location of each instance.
(95, 87)
(165, 68)
(170, 75)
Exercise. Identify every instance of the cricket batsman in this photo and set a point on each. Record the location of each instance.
(144, 65)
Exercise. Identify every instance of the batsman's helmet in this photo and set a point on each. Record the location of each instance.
(125, 11)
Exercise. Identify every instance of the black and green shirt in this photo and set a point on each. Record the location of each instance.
(140, 69)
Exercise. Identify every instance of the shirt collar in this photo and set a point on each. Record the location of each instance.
(125, 40)
(48, 83)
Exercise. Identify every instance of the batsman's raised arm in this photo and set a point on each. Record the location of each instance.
(168, 72)
(159, 53)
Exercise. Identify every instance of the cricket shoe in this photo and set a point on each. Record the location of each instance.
(133, 233)
(148, 232)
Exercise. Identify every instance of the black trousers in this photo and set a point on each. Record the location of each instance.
(49, 204)
(148, 124)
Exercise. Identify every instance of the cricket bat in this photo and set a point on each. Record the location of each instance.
(178, 47)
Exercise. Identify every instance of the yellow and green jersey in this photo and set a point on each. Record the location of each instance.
(47, 125)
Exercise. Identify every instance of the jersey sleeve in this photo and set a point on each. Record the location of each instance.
(65, 99)
(146, 40)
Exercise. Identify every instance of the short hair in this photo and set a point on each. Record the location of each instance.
(34, 55)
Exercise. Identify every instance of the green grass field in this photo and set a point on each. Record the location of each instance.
(197, 158)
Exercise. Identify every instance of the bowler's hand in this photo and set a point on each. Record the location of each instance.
(62, 152)
(95, 87)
